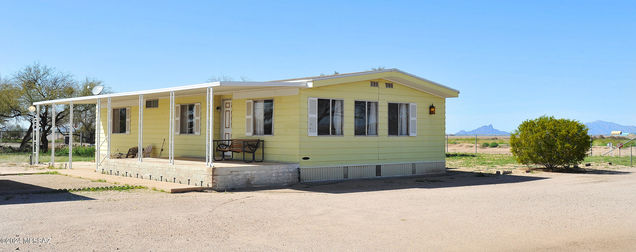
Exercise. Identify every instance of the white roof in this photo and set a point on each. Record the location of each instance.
(220, 86)
(217, 85)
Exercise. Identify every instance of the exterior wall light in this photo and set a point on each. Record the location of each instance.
(431, 109)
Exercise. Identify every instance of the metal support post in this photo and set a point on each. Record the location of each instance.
(37, 134)
(109, 125)
(98, 129)
(53, 135)
(70, 136)
(140, 130)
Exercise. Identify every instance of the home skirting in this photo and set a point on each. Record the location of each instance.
(343, 172)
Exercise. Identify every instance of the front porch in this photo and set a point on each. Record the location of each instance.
(223, 175)
(176, 133)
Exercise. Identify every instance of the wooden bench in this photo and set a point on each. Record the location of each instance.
(239, 146)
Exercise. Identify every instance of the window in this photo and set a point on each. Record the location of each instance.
(398, 119)
(330, 117)
(263, 117)
(388, 85)
(188, 119)
(121, 121)
(152, 103)
(374, 84)
(366, 118)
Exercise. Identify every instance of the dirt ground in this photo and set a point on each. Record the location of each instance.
(459, 211)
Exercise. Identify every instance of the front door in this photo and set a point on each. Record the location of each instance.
(226, 132)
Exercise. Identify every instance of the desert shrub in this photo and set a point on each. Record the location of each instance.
(485, 145)
(550, 142)
(494, 145)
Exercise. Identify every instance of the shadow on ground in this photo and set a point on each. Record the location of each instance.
(452, 178)
(13, 192)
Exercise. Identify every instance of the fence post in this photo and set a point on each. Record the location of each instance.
(475, 144)
(631, 153)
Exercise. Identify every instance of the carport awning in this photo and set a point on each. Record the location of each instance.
(219, 87)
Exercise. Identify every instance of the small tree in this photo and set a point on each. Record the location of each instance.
(550, 142)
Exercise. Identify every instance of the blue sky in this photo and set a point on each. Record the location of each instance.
(510, 60)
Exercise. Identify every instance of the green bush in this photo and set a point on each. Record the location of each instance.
(485, 145)
(494, 145)
(550, 142)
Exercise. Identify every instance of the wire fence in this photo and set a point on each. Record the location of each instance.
(618, 147)
(487, 144)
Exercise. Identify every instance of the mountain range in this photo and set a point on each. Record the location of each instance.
(594, 128)
(483, 130)
(605, 128)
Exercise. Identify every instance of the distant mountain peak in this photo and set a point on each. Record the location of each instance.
(483, 130)
(599, 127)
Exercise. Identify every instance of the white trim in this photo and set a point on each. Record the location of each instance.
(380, 71)
(271, 92)
(98, 129)
(53, 135)
(412, 119)
(177, 118)
(197, 119)
(249, 117)
(171, 129)
(209, 118)
(37, 134)
(109, 122)
(140, 129)
(312, 119)
(180, 88)
(70, 136)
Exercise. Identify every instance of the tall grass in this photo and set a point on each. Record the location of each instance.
(80, 153)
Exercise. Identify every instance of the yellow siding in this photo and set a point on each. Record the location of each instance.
(283, 145)
(290, 142)
(428, 145)
(156, 126)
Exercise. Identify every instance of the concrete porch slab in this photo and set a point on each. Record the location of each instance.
(87, 170)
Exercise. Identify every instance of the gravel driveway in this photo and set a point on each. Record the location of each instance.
(461, 211)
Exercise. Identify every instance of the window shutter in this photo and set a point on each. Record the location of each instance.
(127, 120)
(197, 118)
(312, 117)
(177, 119)
(249, 117)
(412, 119)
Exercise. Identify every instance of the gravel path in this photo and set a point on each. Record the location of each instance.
(461, 211)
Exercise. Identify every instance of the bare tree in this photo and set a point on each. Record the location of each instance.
(226, 78)
(84, 114)
(32, 84)
(221, 78)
